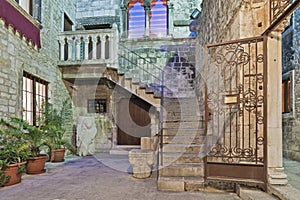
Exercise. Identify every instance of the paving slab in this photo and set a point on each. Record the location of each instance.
(87, 178)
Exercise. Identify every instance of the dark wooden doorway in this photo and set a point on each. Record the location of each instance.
(133, 121)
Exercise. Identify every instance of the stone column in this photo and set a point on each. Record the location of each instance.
(124, 21)
(86, 47)
(62, 48)
(170, 18)
(275, 171)
(147, 13)
(70, 48)
(78, 43)
(103, 40)
(94, 40)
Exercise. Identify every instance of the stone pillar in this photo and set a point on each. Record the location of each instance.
(111, 47)
(94, 40)
(70, 48)
(275, 171)
(147, 13)
(62, 49)
(86, 48)
(124, 21)
(78, 43)
(170, 18)
(103, 40)
(142, 162)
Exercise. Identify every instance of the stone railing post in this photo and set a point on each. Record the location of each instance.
(62, 48)
(103, 40)
(86, 47)
(94, 51)
(70, 48)
(78, 43)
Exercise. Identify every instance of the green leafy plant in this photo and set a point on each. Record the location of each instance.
(33, 135)
(14, 148)
(54, 124)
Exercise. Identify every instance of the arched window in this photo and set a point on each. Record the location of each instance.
(139, 18)
(158, 18)
(136, 19)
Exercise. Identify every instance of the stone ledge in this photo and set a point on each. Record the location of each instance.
(254, 194)
(285, 192)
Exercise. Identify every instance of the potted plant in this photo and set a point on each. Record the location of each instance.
(35, 137)
(54, 127)
(13, 153)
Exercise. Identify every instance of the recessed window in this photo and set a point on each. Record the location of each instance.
(31, 7)
(67, 23)
(34, 97)
(286, 96)
(97, 106)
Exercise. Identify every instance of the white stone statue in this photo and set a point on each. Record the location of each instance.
(86, 133)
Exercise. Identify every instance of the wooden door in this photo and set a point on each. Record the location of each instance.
(133, 121)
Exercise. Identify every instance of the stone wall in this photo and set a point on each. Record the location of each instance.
(97, 12)
(181, 16)
(18, 56)
(291, 121)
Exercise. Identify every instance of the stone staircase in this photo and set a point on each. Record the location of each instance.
(181, 160)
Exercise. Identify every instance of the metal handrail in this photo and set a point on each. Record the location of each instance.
(161, 88)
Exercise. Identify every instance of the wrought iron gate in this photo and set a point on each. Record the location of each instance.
(236, 111)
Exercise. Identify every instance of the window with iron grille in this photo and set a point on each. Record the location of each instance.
(97, 106)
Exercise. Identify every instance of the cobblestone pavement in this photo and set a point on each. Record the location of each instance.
(89, 179)
(292, 170)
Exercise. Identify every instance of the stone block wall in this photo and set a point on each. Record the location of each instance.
(291, 121)
(18, 56)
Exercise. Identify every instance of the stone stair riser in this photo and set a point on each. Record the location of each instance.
(168, 148)
(182, 172)
(168, 160)
(183, 132)
(182, 125)
(179, 140)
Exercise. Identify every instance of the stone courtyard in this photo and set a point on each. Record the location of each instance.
(102, 177)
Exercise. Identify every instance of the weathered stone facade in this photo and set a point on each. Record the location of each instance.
(18, 56)
(290, 70)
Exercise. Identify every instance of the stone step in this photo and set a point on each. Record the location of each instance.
(182, 124)
(188, 117)
(254, 194)
(188, 109)
(179, 100)
(180, 184)
(183, 148)
(178, 170)
(183, 132)
(182, 158)
(183, 140)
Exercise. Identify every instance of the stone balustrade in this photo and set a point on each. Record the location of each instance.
(89, 46)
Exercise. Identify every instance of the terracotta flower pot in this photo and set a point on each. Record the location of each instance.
(58, 155)
(12, 171)
(36, 165)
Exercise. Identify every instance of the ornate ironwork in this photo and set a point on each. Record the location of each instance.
(235, 130)
(277, 8)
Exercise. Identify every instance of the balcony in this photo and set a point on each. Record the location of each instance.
(89, 47)
(88, 54)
